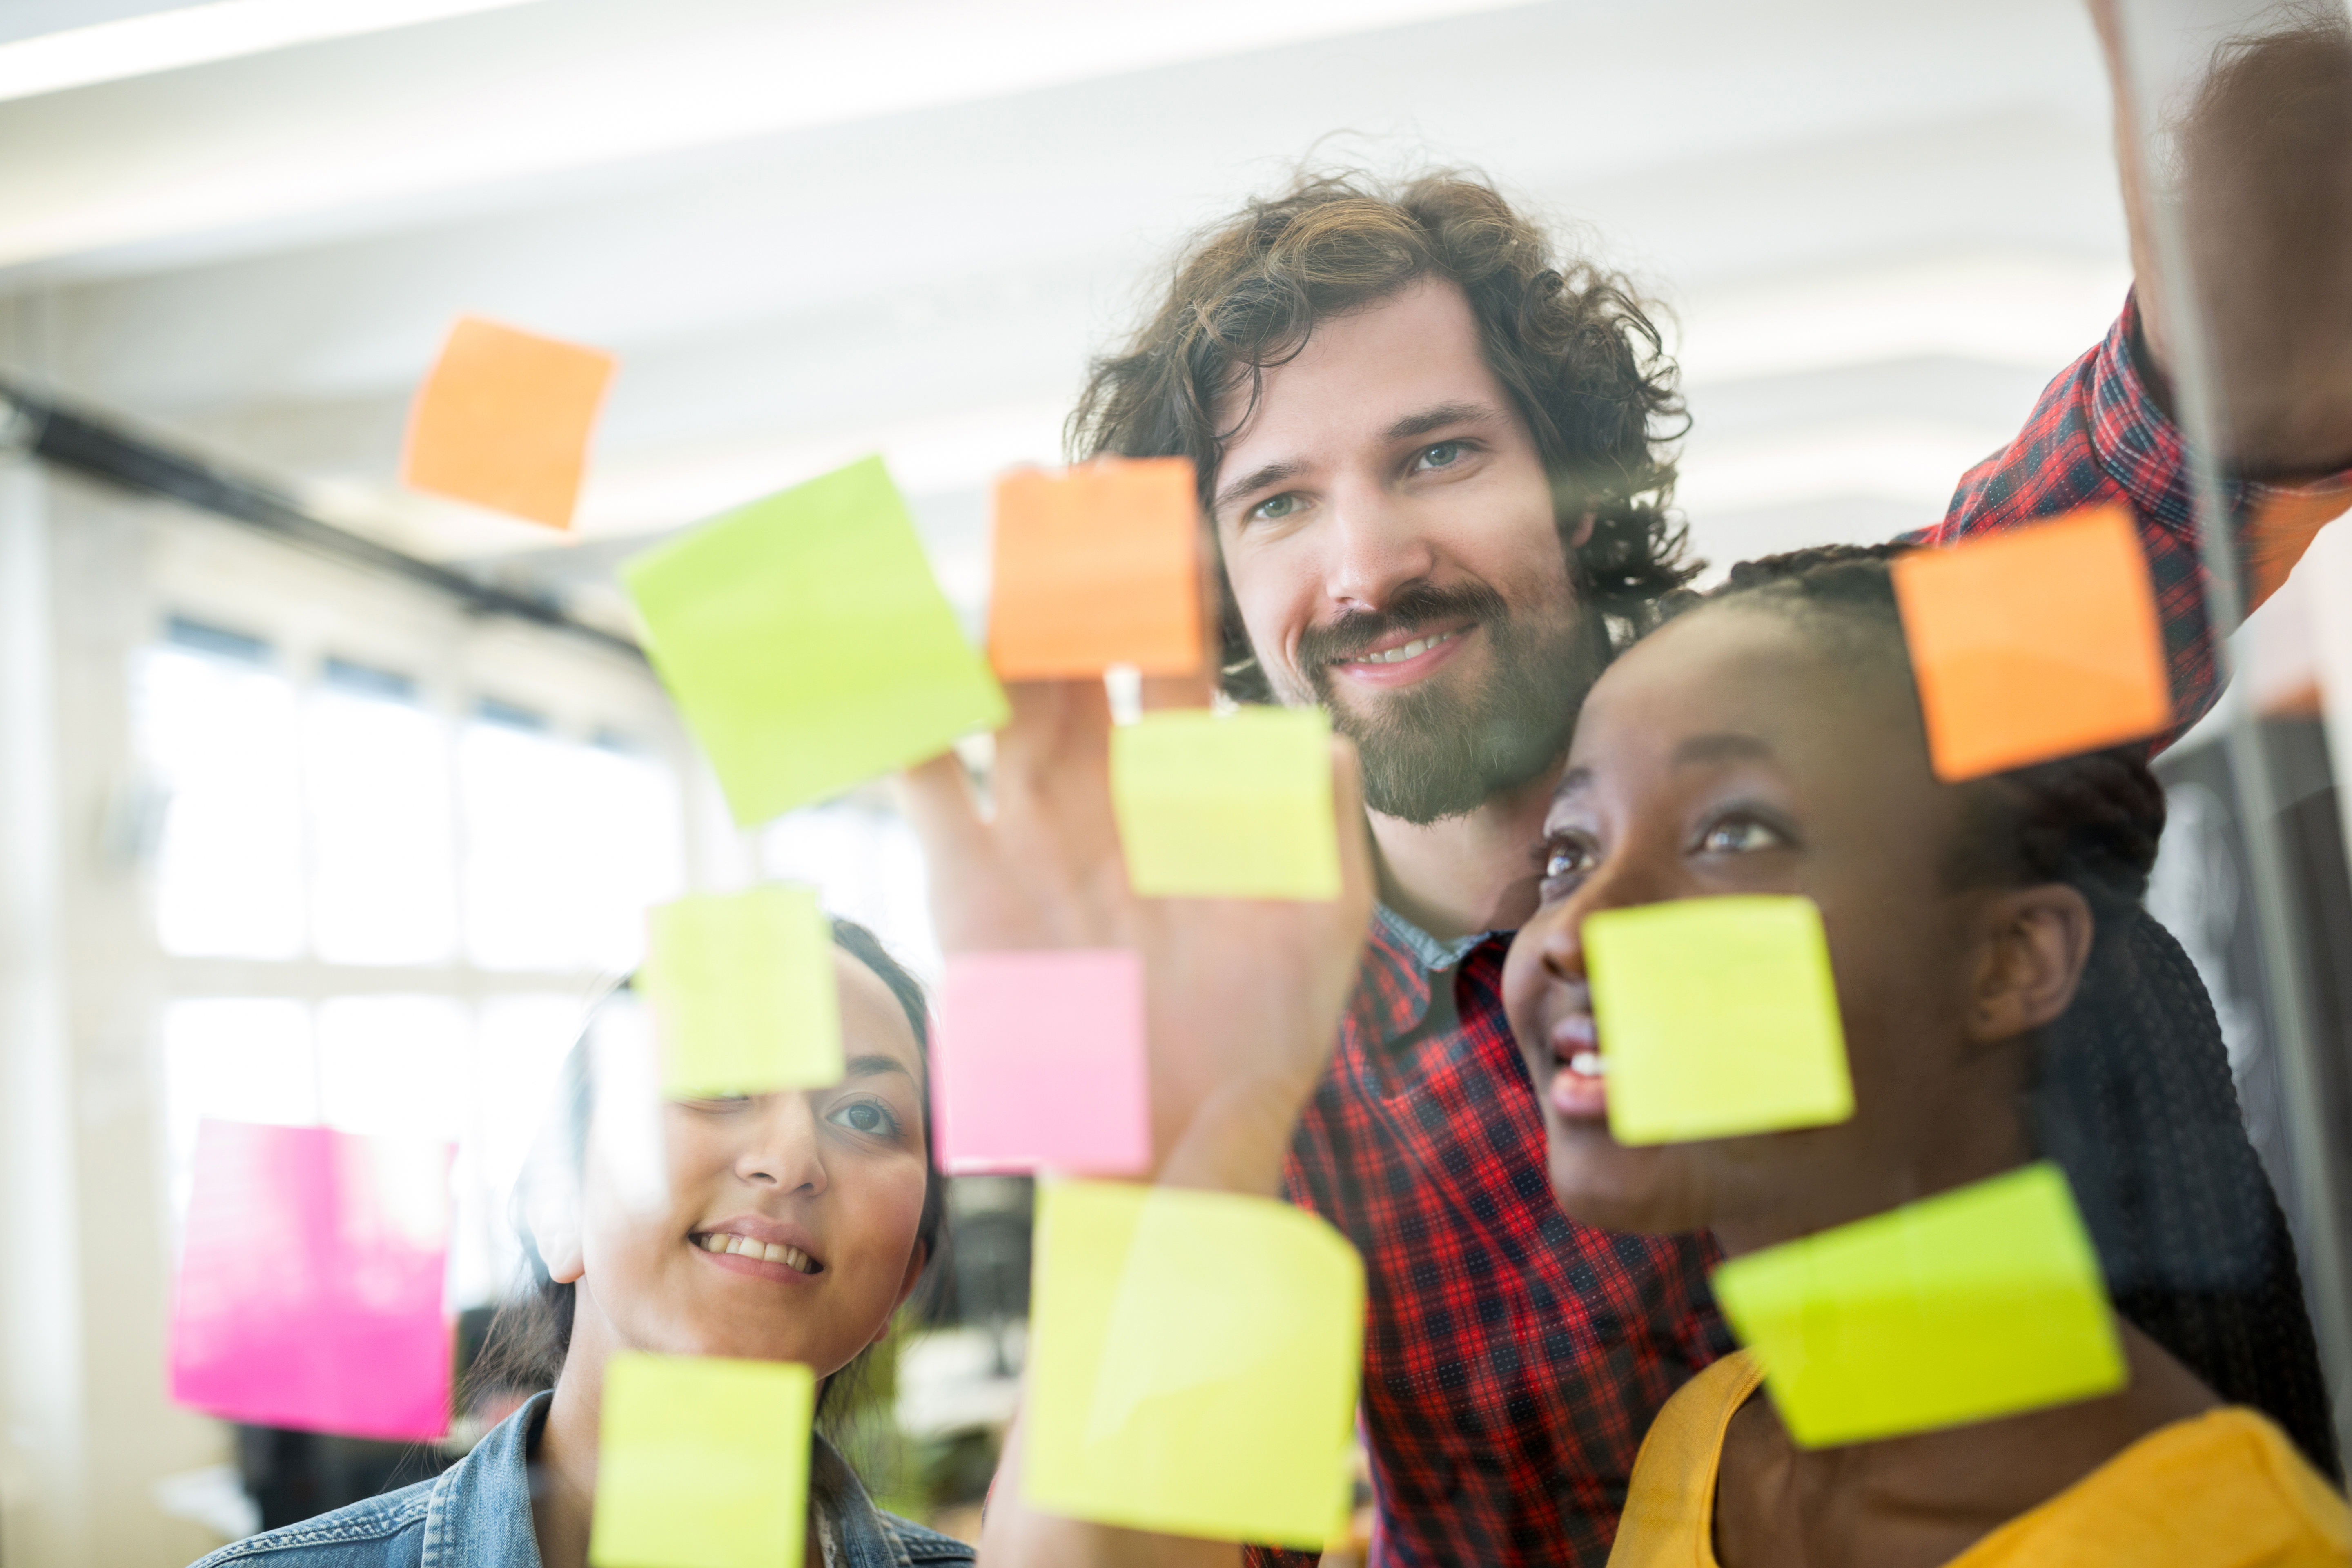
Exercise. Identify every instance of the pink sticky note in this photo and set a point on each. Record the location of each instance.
(1040, 1063)
(309, 1291)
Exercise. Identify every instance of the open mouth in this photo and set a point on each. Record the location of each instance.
(1578, 1087)
(1403, 651)
(743, 1247)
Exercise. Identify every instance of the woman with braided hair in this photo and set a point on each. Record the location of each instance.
(2003, 998)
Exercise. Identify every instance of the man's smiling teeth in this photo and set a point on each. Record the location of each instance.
(1585, 1064)
(1412, 649)
(744, 1246)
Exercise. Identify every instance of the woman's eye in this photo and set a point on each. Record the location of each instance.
(1444, 455)
(1566, 857)
(1273, 509)
(864, 1116)
(1741, 836)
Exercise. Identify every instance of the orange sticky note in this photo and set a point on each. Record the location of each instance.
(2035, 644)
(503, 421)
(1095, 566)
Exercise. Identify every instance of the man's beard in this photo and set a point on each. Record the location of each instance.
(1430, 754)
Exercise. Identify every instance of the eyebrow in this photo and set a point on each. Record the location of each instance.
(1437, 419)
(1727, 745)
(1271, 474)
(868, 1067)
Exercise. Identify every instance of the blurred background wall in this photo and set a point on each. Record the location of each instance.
(283, 838)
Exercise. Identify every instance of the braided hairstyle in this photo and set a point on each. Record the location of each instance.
(2133, 1095)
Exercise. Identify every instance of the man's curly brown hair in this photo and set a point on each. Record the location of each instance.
(1577, 349)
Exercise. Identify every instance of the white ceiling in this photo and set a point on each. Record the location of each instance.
(812, 230)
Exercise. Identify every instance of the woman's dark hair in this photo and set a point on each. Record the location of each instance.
(532, 1332)
(2133, 1096)
(1574, 346)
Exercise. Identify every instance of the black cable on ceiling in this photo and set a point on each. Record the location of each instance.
(90, 444)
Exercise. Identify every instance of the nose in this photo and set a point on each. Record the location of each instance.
(1619, 882)
(1377, 546)
(781, 1149)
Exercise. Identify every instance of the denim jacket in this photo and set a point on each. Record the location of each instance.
(477, 1514)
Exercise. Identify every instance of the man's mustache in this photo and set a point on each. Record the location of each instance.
(1421, 605)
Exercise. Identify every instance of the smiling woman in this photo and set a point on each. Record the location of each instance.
(790, 1228)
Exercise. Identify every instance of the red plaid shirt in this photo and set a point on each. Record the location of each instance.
(1512, 1358)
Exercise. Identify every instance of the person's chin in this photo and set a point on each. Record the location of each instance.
(1601, 1182)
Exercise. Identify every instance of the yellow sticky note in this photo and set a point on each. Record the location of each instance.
(702, 1462)
(503, 421)
(1236, 805)
(2035, 644)
(1716, 1018)
(1161, 1395)
(1095, 566)
(742, 989)
(1973, 1304)
(807, 644)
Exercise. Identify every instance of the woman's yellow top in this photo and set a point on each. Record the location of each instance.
(2224, 1489)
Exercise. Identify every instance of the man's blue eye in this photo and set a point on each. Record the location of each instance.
(1275, 506)
(1443, 454)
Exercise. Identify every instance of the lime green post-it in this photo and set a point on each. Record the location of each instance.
(1233, 806)
(702, 1462)
(1973, 1304)
(743, 993)
(1716, 1018)
(807, 644)
(1194, 1363)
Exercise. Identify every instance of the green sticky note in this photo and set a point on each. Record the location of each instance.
(702, 1462)
(743, 993)
(1976, 1303)
(1233, 806)
(1164, 1395)
(1716, 1018)
(807, 644)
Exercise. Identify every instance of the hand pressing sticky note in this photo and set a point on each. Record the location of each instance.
(2035, 644)
(1981, 1302)
(1165, 1396)
(743, 994)
(310, 1280)
(503, 421)
(702, 1462)
(807, 645)
(1041, 1064)
(1716, 1018)
(1226, 805)
(1095, 566)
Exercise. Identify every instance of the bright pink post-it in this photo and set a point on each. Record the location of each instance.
(310, 1281)
(1040, 1062)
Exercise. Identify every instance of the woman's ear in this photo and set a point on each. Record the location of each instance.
(551, 1209)
(2038, 940)
(915, 1261)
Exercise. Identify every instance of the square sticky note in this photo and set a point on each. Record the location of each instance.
(503, 421)
(744, 995)
(1717, 1016)
(807, 644)
(1980, 1302)
(1161, 1395)
(1039, 1062)
(702, 1462)
(2035, 644)
(310, 1284)
(1095, 566)
(1234, 806)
